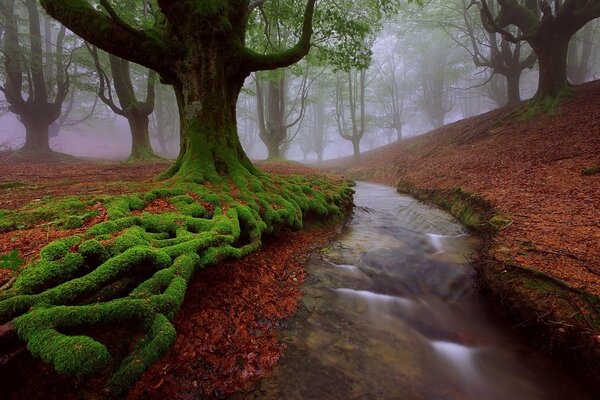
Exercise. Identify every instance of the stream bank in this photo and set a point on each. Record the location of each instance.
(541, 266)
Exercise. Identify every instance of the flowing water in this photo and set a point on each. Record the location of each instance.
(390, 312)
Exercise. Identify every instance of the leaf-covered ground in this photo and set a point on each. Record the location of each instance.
(540, 174)
(226, 327)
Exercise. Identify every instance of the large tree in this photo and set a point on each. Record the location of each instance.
(548, 28)
(34, 93)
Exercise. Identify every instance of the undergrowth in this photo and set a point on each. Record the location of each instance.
(135, 266)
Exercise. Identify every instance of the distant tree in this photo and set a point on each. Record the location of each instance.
(317, 133)
(350, 109)
(35, 93)
(135, 111)
(490, 50)
(392, 96)
(548, 28)
(435, 74)
(248, 122)
(275, 116)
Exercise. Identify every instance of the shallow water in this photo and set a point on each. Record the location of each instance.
(390, 312)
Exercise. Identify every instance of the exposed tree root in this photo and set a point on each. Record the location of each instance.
(136, 265)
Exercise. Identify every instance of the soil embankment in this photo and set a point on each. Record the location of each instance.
(533, 190)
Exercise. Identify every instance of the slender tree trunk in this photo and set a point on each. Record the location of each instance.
(552, 58)
(356, 148)
(319, 156)
(36, 137)
(140, 138)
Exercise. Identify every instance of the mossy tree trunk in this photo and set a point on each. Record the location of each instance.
(207, 98)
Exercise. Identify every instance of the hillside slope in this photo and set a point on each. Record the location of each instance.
(543, 260)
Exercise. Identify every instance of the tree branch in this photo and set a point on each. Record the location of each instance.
(255, 4)
(111, 34)
(259, 62)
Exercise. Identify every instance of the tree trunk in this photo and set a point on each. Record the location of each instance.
(513, 91)
(399, 132)
(36, 137)
(552, 58)
(207, 97)
(356, 148)
(273, 148)
(140, 138)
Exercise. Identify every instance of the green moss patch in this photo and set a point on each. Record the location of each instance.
(471, 210)
(12, 184)
(590, 171)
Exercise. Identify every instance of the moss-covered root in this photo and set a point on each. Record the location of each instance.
(136, 266)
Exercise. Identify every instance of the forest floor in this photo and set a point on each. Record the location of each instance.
(542, 176)
(226, 328)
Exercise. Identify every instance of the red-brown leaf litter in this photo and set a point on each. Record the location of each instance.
(226, 329)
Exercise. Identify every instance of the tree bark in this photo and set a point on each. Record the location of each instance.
(513, 85)
(356, 149)
(36, 137)
(552, 58)
(140, 138)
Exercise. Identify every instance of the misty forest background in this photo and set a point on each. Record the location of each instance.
(416, 71)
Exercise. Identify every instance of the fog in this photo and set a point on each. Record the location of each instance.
(425, 67)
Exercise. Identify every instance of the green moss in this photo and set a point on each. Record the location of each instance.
(590, 171)
(141, 269)
(73, 222)
(12, 184)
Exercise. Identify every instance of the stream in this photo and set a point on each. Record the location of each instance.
(390, 312)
